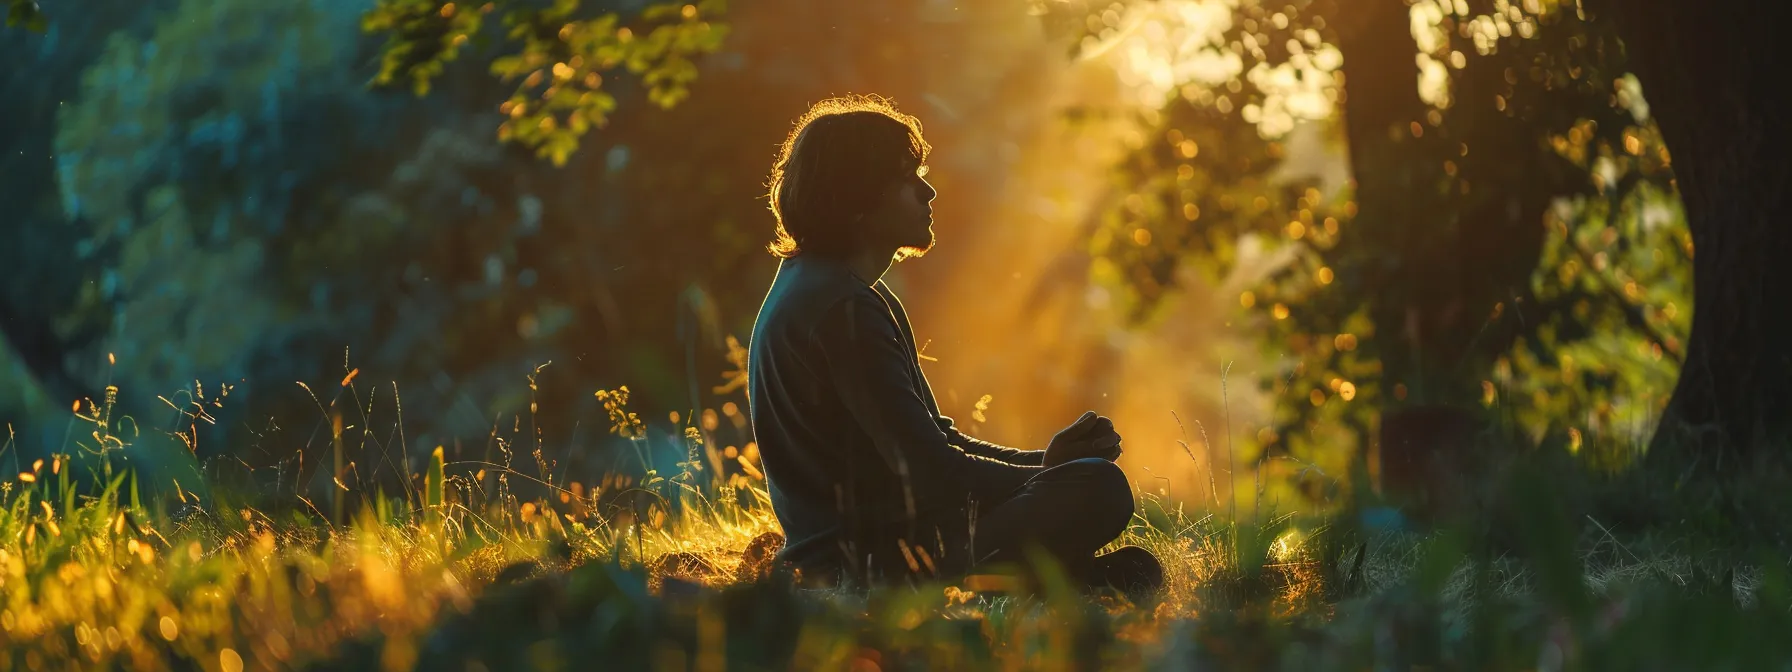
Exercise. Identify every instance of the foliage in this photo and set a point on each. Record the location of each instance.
(562, 60)
(1603, 315)
(310, 214)
(210, 182)
(169, 184)
(25, 14)
(1613, 299)
(285, 239)
(1529, 104)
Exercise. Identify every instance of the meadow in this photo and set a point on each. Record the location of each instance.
(498, 565)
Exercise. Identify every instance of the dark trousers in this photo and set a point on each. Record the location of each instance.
(1069, 512)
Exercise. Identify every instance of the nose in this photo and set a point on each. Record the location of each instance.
(927, 192)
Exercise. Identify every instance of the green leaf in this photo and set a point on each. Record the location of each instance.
(26, 14)
(561, 61)
(432, 484)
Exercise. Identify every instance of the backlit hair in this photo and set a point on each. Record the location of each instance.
(832, 168)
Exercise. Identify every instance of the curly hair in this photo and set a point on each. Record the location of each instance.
(832, 167)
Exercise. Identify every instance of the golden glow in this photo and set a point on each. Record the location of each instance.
(978, 412)
(1247, 299)
(1280, 311)
(1287, 546)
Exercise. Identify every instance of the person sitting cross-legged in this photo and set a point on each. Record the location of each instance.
(870, 483)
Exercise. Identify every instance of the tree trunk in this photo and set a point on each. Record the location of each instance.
(1380, 104)
(1713, 76)
(1447, 235)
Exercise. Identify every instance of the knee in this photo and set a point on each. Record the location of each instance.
(1109, 493)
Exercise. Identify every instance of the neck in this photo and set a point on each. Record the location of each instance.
(870, 265)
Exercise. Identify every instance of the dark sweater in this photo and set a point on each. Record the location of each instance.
(850, 434)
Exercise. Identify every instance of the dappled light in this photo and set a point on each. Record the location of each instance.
(416, 334)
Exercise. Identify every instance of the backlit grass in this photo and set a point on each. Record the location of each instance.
(487, 566)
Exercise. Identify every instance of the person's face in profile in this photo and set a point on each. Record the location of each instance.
(904, 215)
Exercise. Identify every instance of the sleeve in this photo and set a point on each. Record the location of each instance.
(868, 366)
(981, 448)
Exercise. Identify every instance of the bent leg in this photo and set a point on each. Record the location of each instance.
(1069, 511)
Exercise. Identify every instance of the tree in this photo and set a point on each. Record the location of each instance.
(1455, 186)
(1712, 74)
(1492, 229)
(309, 213)
(49, 345)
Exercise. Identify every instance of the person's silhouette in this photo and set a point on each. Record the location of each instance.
(869, 481)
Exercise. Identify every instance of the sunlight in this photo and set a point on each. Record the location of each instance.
(1325, 351)
(1039, 329)
(1288, 546)
(1158, 48)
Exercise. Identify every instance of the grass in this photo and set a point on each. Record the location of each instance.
(487, 567)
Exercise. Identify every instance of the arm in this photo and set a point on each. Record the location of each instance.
(979, 447)
(868, 365)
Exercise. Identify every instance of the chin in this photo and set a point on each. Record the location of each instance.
(916, 251)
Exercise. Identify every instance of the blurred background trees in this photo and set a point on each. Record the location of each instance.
(1393, 229)
(1509, 238)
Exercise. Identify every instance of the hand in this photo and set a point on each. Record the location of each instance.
(1090, 436)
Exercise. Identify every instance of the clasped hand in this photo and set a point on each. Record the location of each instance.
(1090, 436)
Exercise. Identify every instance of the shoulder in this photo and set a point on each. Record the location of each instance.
(808, 294)
(862, 308)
